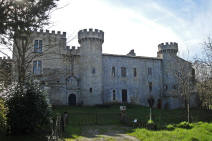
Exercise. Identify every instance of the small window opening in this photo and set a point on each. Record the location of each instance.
(134, 72)
(93, 70)
(150, 86)
(113, 71)
(123, 72)
(149, 71)
(165, 87)
(114, 95)
(91, 90)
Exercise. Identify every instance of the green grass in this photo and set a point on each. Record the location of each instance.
(200, 132)
(80, 116)
(162, 118)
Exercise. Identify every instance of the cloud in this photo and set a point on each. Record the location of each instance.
(124, 28)
(139, 25)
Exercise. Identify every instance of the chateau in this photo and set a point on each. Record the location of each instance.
(86, 76)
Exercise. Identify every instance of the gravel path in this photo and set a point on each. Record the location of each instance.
(106, 133)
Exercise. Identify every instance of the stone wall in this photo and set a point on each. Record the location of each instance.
(137, 87)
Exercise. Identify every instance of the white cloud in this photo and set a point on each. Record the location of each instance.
(124, 28)
(140, 26)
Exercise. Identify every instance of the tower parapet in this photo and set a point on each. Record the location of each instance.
(74, 50)
(5, 58)
(90, 34)
(171, 48)
(47, 32)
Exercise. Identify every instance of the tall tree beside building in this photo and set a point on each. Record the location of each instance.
(203, 66)
(17, 19)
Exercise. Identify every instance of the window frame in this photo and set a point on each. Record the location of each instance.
(91, 90)
(114, 95)
(150, 86)
(113, 73)
(123, 72)
(134, 72)
(149, 71)
(39, 47)
(37, 68)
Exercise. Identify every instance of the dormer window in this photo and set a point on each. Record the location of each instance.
(38, 46)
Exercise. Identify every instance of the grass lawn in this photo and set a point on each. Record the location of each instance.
(103, 123)
(201, 131)
(82, 117)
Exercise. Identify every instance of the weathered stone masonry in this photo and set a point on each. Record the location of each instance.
(85, 75)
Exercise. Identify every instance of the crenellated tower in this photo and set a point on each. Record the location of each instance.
(168, 53)
(91, 65)
(169, 49)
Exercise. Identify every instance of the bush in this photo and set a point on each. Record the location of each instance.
(28, 108)
(150, 122)
(2, 115)
(185, 125)
(170, 127)
(151, 125)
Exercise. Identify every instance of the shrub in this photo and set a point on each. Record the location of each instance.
(170, 127)
(185, 125)
(150, 122)
(28, 109)
(151, 125)
(2, 115)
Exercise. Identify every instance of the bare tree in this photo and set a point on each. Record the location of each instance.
(185, 82)
(203, 67)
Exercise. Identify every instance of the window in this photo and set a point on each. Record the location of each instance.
(93, 70)
(113, 71)
(175, 86)
(134, 72)
(38, 46)
(114, 95)
(37, 67)
(149, 71)
(123, 72)
(91, 90)
(165, 87)
(124, 95)
(150, 86)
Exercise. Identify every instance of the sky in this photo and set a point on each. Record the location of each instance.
(137, 24)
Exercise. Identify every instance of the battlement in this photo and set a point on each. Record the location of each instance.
(47, 32)
(5, 58)
(171, 47)
(167, 45)
(90, 34)
(73, 50)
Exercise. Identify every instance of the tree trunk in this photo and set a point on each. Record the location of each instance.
(188, 112)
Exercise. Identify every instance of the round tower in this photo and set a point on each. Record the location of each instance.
(169, 49)
(91, 66)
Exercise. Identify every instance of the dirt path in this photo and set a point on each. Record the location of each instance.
(106, 133)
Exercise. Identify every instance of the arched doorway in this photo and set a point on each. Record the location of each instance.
(72, 100)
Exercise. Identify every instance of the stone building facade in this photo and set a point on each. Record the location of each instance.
(85, 75)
